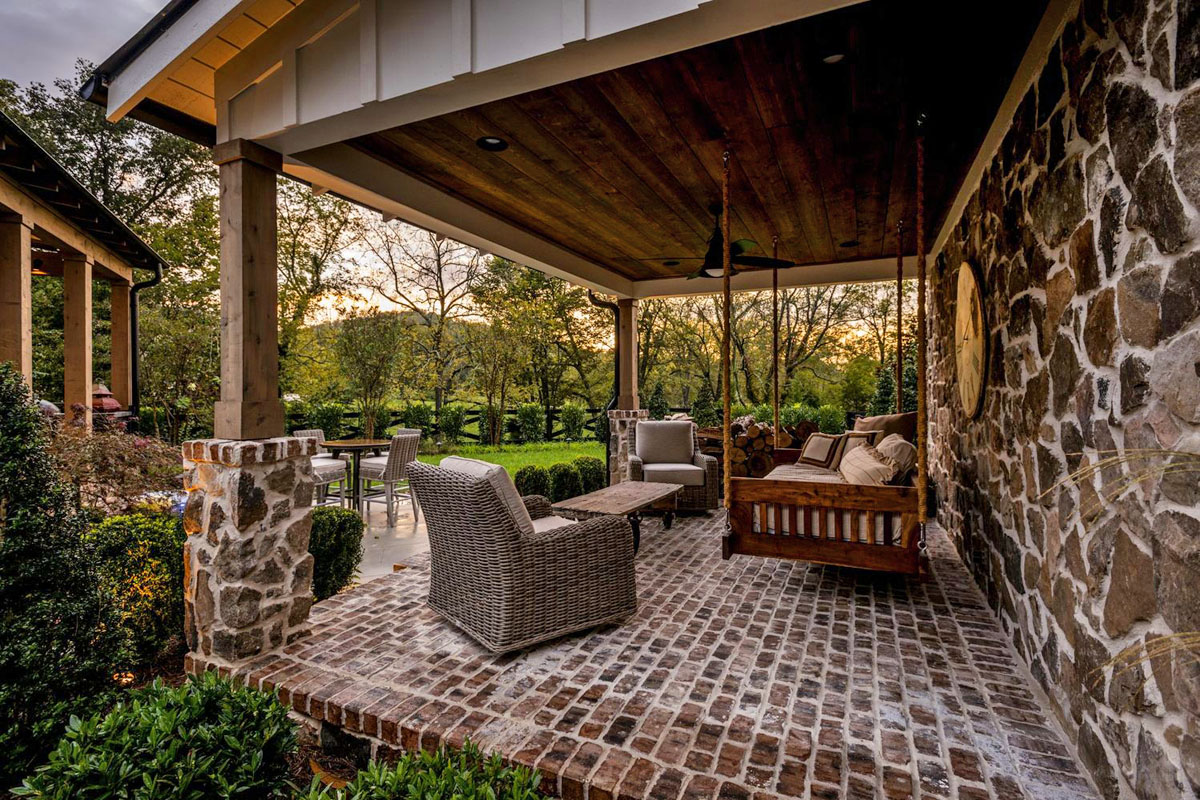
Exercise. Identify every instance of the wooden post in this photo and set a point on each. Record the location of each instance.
(900, 317)
(249, 407)
(775, 336)
(121, 379)
(627, 352)
(727, 274)
(77, 338)
(922, 423)
(16, 295)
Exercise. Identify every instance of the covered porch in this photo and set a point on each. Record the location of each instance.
(590, 142)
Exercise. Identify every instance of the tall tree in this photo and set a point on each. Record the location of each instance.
(374, 352)
(432, 278)
(316, 234)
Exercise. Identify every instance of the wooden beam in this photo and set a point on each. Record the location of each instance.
(16, 287)
(121, 379)
(627, 352)
(249, 407)
(55, 229)
(77, 339)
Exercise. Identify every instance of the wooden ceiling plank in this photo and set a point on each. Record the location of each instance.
(734, 102)
(559, 162)
(647, 118)
(566, 195)
(701, 130)
(622, 145)
(411, 151)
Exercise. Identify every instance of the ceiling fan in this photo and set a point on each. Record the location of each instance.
(712, 262)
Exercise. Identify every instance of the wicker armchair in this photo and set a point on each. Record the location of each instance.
(668, 451)
(510, 573)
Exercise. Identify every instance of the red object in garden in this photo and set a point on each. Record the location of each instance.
(103, 400)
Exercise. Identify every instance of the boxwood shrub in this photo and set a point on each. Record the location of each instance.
(564, 482)
(336, 544)
(445, 775)
(532, 479)
(207, 738)
(592, 473)
(139, 558)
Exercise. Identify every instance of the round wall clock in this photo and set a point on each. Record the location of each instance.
(970, 340)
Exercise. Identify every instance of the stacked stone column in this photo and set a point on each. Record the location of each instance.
(620, 429)
(247, 569)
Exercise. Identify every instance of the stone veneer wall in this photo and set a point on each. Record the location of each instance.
(247, 569)
(620, 423)
(1085, 230)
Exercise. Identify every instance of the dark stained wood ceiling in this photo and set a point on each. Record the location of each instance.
(622, 167)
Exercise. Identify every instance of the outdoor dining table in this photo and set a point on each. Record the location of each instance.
(355, 447)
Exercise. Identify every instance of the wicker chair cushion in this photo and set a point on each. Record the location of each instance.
(550, 523)
(686, 474)
(664, 442)
(506, 492)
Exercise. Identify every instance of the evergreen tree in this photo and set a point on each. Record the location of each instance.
(657, 404)
(705, 410)
(59, 634)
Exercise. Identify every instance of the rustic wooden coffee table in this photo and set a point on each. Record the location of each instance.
(630, 499)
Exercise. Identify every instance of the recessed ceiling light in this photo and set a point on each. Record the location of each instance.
(671, 263)
(493, 144)
(849, 243)
(833, 58)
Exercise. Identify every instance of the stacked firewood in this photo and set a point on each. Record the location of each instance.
(754, 444)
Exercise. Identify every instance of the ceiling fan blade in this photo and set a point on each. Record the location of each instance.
(739, 246)
(762, 262)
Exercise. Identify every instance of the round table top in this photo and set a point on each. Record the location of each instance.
(356, 444)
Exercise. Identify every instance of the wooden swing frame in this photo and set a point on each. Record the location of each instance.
(896, 514)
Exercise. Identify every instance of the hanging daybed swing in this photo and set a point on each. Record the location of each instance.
(848, 525)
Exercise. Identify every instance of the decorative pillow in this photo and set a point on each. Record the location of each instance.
(820, 450)
(864, 466)
(900, 451)
(498, 477)
(851, 440)
(887, 424)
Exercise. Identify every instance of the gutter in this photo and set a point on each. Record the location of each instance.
(595, 300)
(135, 402)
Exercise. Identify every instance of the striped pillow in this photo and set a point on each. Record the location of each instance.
(865, 466)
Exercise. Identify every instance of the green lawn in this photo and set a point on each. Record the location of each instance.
(514, 456)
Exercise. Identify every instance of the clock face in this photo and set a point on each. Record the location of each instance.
(970, 340)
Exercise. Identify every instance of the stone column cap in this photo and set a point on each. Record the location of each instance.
(237, 453)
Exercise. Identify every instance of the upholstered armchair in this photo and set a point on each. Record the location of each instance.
(507, 571)
(668, 451)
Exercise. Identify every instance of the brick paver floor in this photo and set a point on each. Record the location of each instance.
(744, 678)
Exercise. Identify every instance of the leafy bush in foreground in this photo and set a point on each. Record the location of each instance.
(445, 775)
(59, 632)
(336, 547)
(564, 482)
(451, 422)
(530, 423)
(207, 738)
(532, 479)
(831, 419)
(592, 473)
(140, 561)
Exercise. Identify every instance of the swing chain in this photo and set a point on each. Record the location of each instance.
(921, 544)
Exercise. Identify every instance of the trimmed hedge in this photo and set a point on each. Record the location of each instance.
(336, 544)
(565, 482)
(592, 473)
(445, 775)
(532, 479)
(207, 738)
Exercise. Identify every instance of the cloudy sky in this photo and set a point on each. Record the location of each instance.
(40, 39)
